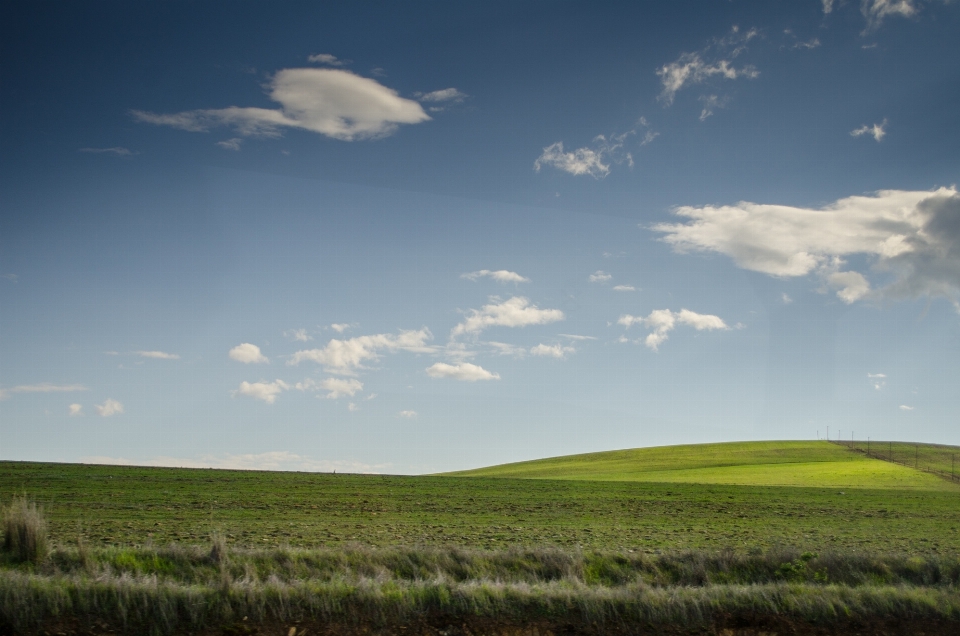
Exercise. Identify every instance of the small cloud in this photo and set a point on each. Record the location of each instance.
(352, 407)
(514, 312)
(371, 396)
(827, 6)
(599, 276)
(299, 335)
(10, 277)
(43, 387)
(445, 95)
(785, 298)
(464, 371)
(595, 161)
(116, 150)
(266, 391)
(576, 337)
(812, 43)
(500, 275)
(877, 131)
(231, 144)
(409, 415)
(710, 102)
(877, 379)
(876, 10)
(505, 349)
(325, 58)
(624, 288)
(904, 407)
(340, 327)
(248, 354)
(158, 355)
(378, 72)
(108, 408)
(76, 409)
(336, 387)
(663, 321)
(551, 351)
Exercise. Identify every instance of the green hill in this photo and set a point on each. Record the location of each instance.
(815, 464)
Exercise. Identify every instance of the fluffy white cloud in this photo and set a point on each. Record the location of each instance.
(514, 312)
(108, 408)
(551, 351)
(346, 357)
(408, 414)
(340, 327)
(463, 371)
(248, 354)
(876, 10)
(624, 288)
(599, 276)
(325, 58)
(912, 236)
(331, 102)
(43, 387)
(271, 460)
(500, 275)
(157, 355)
(663, 321)
(444, 95)
(76, 409)
(877, 131)
(335, 387)
(266, 391)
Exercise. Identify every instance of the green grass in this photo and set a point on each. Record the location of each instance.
(130, 506)
(809, 464)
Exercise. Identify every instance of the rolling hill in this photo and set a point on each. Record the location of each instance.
(778, 463)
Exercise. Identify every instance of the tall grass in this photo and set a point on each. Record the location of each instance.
(24, 531)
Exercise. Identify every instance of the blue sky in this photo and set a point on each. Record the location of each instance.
(430, 236)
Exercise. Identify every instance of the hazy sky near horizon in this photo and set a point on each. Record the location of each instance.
(425, 236)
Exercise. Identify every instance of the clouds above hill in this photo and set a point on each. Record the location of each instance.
(346, 357)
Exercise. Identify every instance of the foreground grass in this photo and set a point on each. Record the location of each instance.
(128, 506)
(180, 589)
(807, 464)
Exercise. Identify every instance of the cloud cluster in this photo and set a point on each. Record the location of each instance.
(912, 237)
(331, 102)
(513, 312)
(158, 355)
(346, 357)
(248, 354)
(500, 275)
(877, 131)
(464, 371)
(663, 321)
(595, 161)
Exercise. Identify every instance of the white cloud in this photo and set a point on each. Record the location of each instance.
(248, 354)
(331, 102)
(911, 236)
(108, 408)
(690, 69)
(594, 161)
(877, 131)
(624, 288)
(663, 321)
(43, 387)
(463, 371)
(271, 460)
(812, 43)
(299, 335)
(506, 349)
(231, 144)
(500, 275)
(551, 351)
(340, 327)
(76, 409)
(266, 391)
(157, 355)
(709, 103)
(878, 380)
(876, 10)
(346, 357)
(408, 414)
(352, 407)
(599, 276)
(116, 150)
(827, 6)
(576, 337)
(445, 95)
(785, 299)
(336, 387)
(514, 312)
(904, 407)
(325, 58)
(876, 375)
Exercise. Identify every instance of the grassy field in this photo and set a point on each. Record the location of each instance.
(807, 464)
(112, 505)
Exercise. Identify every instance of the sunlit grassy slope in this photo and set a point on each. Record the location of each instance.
(816, 464)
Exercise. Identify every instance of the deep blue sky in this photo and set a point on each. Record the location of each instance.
(184, 185)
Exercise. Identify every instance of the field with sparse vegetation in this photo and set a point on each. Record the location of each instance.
(196, 551)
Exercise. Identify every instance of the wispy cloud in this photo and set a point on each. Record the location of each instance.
(878, 380)
(109, 408)
(331, 102)
(595, 161)
(248, 354)
(444, 95)
(158, 355)
(513, 312)
(576, 336)
(500, 275)
(715, 60)
(875, 11)
(408, 415)
(266, 391)
(624, 288)
(663, 321)
(76, 409)
(231, 144)
(599, 276)
(326, 58)
(904, 407)
(346, 357)
(336, 387)
(551, 351)
(43, 387)
(464, 371)
(877, 131)
(299, 335)
(118, 151)
(911, 236)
